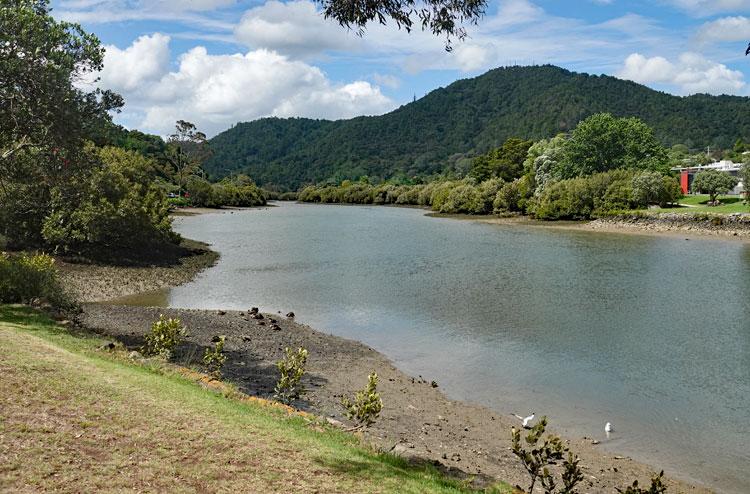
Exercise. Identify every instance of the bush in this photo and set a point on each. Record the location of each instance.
(291, 369)
(214, 358)
(28, 277)
(657, 486)
(366, 405)
(463, 198)
(541, 456)
(165, 335)
(117, 209)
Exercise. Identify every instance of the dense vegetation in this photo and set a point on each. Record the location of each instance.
(445, 129)
(560, 178)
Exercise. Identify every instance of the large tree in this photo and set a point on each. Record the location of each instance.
(187, 149)
(45, 115)
(603, 142)
(505, 162)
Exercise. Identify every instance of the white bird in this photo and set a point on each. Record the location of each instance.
(608, 428)
(525, 420)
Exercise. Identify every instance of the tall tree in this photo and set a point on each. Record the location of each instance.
(187, 149)
(505, 162)
(45, 115)
(603, 142)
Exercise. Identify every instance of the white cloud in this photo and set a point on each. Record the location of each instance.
(735, 28)
(691, 73)
(387, 80)
(294, 28)
(216, 91)
(147, 59)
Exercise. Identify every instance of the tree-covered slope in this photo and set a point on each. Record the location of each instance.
(467, 117)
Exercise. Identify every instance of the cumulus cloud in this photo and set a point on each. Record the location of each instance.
(294, 28)
(147, 59)
(691, 73)
(216, 91)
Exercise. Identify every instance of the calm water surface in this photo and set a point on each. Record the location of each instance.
(649, 333)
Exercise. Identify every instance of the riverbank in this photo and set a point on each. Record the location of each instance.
(131, 424)
(418, 420)
(728, 227)
(87, 282)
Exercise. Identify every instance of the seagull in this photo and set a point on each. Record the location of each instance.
(608, 428)
(525, 420)
(747, 52)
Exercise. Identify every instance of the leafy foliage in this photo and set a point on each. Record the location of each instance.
(441, 18)
(366, 406)
(27, 277)
(539, 460)
(603, 142)
(214, 358)
(291, 369)
(713, 183)
(165, 335)
(440, 131)
(505, 162)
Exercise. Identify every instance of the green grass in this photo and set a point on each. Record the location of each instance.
(77, 418)
(698, 204)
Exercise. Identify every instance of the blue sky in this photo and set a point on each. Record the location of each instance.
(217, 62)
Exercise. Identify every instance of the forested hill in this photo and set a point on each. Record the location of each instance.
(467, 117)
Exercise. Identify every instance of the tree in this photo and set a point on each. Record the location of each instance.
(440, 17)
(505, 162)
(713, 183)
(603, 142)
(45, 116)
(187, 149)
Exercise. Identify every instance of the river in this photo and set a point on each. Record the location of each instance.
(651, 333)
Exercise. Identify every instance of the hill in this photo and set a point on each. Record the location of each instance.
(469, 116)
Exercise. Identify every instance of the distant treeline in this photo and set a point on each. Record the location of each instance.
(606, 165)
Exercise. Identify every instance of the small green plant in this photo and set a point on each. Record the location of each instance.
(657, 486)
(165, 335)
(541, 457)
(366, 405)
(291, 369)
(214, 358)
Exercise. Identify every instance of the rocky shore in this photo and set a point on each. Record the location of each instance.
(724, 225)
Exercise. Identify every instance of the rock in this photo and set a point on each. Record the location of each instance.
(217, 338)
(275, 327)
(254, 310)
(246, 338)
(261, 323)
(434, 384)
(107, 346)
(221, 312)
(290, 315)
(334, 422)
(65, 322)
(273, 321)
(257, 315)
(134, 355)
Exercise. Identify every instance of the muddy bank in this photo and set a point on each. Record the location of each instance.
(100, 282)
(417, 420)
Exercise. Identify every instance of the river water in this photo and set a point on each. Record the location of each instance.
(651, 333)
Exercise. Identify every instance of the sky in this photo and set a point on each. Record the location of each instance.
(219, 62)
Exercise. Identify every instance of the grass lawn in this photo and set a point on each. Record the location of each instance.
(697, 204)
(74, 418)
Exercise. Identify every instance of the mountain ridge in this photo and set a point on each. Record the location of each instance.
(447, 126)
